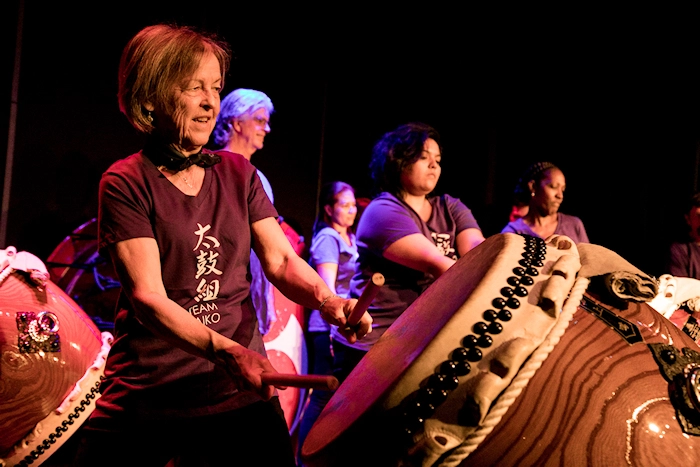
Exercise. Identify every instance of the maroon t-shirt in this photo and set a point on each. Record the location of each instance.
(204, 243)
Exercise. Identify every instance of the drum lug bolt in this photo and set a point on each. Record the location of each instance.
(668, 356)
(682, 371)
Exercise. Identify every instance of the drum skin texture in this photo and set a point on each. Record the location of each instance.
(611, 383)
(51, 361)
(286, 350)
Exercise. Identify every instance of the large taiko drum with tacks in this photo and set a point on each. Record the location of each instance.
(51, 362)
(524, 353)
(88, 277)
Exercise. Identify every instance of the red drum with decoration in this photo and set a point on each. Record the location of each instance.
(524, 353)
(51, 362)
(284, 342)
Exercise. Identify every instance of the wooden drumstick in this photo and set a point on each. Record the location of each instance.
(328, 382)
(373, 286)
(325, 382)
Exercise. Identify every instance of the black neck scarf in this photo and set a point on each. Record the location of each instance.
(164, 155)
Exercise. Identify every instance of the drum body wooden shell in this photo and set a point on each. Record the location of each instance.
(51, 359)
(597, 400)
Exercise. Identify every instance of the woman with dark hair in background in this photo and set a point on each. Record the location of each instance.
(406, 233)
(684, 256)
(544, 184)
(333, 254)
(187, 376)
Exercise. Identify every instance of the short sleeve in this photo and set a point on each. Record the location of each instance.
(384, 222)
(324, 249)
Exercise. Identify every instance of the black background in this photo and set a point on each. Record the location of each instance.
(609, 96)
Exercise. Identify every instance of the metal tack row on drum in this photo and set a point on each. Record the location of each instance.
(523, 353)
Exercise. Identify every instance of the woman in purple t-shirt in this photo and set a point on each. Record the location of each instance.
(408, 235)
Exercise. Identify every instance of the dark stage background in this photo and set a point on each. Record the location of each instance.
(612, 98)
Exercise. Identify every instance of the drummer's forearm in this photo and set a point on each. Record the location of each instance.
(137, 263)
(172, 323)
(301, 283)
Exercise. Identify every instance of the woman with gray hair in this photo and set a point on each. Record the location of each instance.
(243, 123)
(241, 127)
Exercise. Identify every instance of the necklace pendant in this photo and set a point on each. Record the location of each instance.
(184, 179)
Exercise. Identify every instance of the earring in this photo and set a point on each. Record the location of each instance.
(149, 117)
(532, 193)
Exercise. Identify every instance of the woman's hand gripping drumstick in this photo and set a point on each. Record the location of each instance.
(327, 382)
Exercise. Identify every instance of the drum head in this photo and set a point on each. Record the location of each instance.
(284, 341)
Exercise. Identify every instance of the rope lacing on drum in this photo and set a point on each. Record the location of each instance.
(9, 253)
(521, 380)
(11, 260)
(423, 404)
